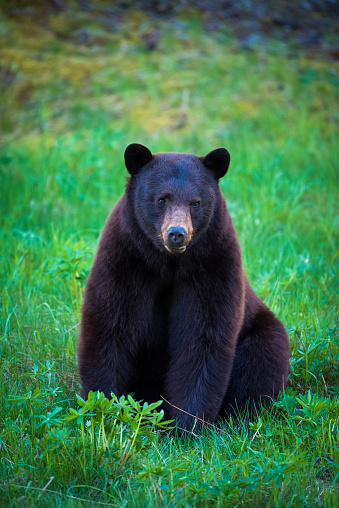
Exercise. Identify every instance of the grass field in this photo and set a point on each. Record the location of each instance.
(67, 112)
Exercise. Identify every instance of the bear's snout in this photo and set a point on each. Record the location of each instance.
(176, 237)
(177, 229)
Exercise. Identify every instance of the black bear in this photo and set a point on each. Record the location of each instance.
(168, 310)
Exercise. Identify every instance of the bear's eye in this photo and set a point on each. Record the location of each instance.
(195, 204)
(162, 201)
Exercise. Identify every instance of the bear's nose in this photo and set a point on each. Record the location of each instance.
(176, 236)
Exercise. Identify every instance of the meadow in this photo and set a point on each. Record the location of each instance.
(67, 112)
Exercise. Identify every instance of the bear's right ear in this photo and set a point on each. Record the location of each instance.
(136, 156)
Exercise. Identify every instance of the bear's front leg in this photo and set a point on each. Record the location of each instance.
(197, 381)
(104, 361)
(117, 323)
(203, 335)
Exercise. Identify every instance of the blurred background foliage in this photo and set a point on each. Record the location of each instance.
(79, 61)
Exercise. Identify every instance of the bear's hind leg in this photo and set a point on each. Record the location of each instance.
(261, 365)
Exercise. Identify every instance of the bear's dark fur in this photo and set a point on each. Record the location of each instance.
(168, 309)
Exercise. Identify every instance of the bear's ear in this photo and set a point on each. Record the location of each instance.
(136, 156)
(217, 162)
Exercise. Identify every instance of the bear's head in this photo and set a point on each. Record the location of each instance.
(174, 194)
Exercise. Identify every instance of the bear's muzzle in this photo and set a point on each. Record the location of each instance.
(177, 229)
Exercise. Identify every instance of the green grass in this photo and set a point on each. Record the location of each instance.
(66, 119)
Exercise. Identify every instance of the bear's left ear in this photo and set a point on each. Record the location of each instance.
(217, 162)
(136, 156)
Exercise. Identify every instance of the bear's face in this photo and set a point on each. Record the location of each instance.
(174, 194)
